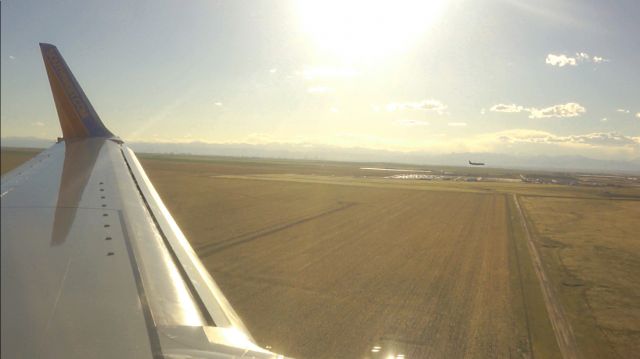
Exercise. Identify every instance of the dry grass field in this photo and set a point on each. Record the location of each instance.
(592, 249)
(329, 271)
(332, 266)
(321, 262)
(10, 159)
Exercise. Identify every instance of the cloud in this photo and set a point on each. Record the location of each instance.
(602, 139)
(581, 56)
(457, 124)
(11, 57)
(604, 120)
(219, 104)
(511, 108)
(426, 105)
(319, 89)
(591, 139)
(623, 110)
(570, 109)
(433, 105)
(562, 60)
(411, 123)
(515, 141)
(273, 70)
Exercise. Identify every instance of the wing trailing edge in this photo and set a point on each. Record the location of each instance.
(77, 117)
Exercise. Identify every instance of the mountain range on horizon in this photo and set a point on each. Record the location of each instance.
(572, 163)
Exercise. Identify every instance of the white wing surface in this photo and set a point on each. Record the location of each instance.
(93, 264)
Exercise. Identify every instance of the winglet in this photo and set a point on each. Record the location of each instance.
(77, 117)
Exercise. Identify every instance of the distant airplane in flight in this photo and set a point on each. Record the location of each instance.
(476, 163)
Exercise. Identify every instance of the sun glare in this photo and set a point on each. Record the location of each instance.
(361, 30)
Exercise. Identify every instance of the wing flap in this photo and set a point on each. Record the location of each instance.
(213, 301)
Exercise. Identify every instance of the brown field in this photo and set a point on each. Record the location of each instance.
(592, 251)
(10, 159)
(323, 263)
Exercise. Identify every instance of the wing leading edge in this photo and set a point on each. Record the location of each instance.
(93, 264)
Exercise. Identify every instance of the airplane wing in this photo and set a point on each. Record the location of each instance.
(93, 265)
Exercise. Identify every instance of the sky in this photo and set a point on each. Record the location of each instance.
(441, 76)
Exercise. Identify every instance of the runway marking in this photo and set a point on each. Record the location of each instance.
(561, 327)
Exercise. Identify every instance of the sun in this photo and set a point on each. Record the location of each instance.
(360, 30)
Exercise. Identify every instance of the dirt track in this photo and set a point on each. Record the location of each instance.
(561, 326)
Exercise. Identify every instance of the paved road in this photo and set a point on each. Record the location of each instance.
(561, 327)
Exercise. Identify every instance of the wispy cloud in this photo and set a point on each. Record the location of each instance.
(510, 108)
(38, 124)
(11, 57)
(570, 109)
(623, 110)
(601, 139)
(426, 105)
(411, 123)
(562, 60)
(591, 139)
(457, 124)
(597, 144)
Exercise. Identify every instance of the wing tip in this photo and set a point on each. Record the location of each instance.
(77, 117)
(44, 47)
